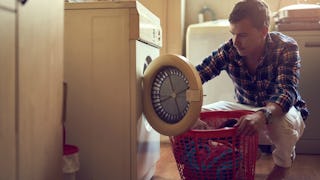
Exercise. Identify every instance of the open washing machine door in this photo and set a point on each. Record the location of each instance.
(172, 94)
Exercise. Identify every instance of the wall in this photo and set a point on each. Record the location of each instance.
(221, 9)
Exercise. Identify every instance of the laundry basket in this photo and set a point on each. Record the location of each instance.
(218, 153)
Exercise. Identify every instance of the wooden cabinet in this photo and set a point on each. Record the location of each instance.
(39, 91)
(31, 58)
(7, 95)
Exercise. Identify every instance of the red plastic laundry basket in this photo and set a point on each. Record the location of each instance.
(218, 153)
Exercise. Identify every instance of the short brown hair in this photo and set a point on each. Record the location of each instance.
(257, 11)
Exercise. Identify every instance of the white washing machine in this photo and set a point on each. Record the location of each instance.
(309, 47)
(201, 40)
(107, 45)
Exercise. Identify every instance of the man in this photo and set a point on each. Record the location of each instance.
(265, 69)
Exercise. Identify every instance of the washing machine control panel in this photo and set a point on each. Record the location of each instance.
(149, 26)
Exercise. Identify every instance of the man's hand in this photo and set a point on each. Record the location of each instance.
(250, 124)
(200, 125)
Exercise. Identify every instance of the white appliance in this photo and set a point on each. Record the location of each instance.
(201, 40)
(309, 47)
(107, 47)
(299, 17)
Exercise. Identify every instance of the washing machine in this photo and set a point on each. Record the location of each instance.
(309, 47)
(108, 45)
(121, 93)
(201, 40)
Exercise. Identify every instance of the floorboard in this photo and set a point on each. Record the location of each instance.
(305, 167)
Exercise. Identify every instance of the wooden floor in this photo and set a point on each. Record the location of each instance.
(306, 167)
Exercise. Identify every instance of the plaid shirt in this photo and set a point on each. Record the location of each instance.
(276, 79)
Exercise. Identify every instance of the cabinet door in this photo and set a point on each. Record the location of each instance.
(98, 74)
(40, 59)
(7, 95)
(309, 46)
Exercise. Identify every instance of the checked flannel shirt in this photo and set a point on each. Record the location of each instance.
(276, 78)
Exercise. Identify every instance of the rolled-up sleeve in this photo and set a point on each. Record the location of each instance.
(212, 65)
(286, 90)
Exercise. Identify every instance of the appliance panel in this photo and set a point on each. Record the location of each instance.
(309, 47)
(202, 39)
(148, 140)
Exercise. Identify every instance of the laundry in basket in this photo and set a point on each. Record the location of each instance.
(216, 153)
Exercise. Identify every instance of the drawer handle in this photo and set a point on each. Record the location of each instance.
(312, 44)
(23, 1)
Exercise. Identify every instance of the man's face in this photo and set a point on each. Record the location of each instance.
(246, 38)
